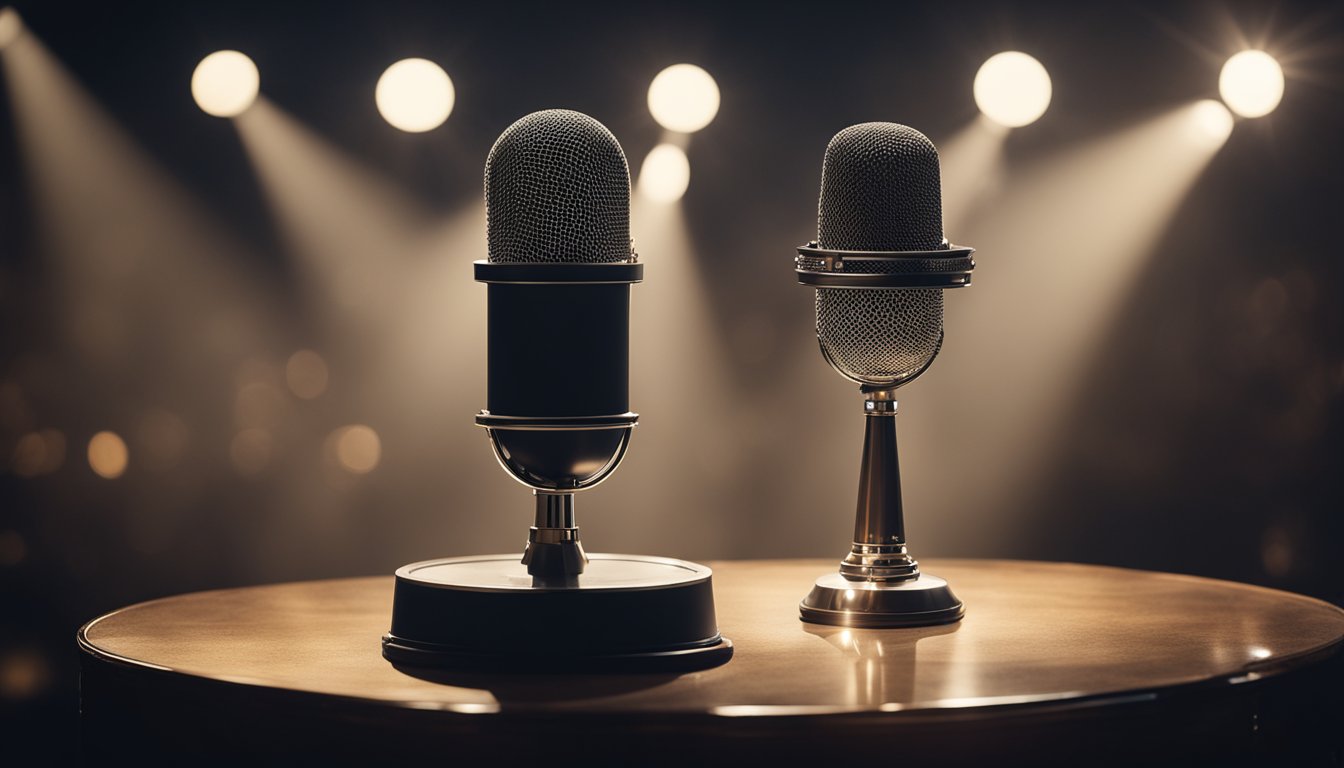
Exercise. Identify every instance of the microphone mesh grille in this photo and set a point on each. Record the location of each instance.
(879, 336)
(557, 189)
(880, 191)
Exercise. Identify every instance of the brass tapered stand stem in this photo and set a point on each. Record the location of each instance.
(879, 584)
(878, 552)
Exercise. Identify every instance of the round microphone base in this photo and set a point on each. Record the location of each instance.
(624, 613)
(917, 602)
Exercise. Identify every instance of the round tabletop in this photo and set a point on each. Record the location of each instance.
(1039, 640)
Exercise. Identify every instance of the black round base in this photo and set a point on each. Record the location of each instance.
(624, 613)
(403, 652)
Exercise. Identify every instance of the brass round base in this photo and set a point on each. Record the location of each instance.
(918, 602)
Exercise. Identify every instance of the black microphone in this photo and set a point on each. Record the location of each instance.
(557, 202)
(879, 266)
(558, 274)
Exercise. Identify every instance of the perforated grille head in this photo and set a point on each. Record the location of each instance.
(880, 191)
(557, 189)
(879, 336)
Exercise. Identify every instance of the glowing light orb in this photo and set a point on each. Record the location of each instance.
(683, 98)
(665, 174)
(225, 83)
(415, 95)
(1210, 123)
(1251, 83)
(11, 26)
(107, 455)
(306, 374)
(250, 450)
(161, 439)
(358, 448)
(1012, 89)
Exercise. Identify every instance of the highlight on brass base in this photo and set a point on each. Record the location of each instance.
(624, 613)
(916, 602)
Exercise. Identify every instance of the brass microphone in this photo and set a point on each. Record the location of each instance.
(880, 265)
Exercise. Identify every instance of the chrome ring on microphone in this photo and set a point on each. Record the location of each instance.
(571, 273)
(948, 267)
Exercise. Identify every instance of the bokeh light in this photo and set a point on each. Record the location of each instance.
(29, 455)
(251, 451)
(1251, 83)
(258, 404)
(357, 448)
(13, 549)
(1012, 89)
(683, 98)
(306, 374)
(665, 174)
(415, 95)
(225, 83)
(11, 26)
(24, 674)
(108, 456)
(1210, 123)
(161, 439)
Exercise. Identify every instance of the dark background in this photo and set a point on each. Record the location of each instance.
(1200, 431)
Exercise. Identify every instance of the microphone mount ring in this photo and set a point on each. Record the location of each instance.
(948, 267)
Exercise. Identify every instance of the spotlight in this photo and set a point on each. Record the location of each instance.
(107, 455)
(1251, 83)
(225, 83)
(683, 98)
(665, 174)
(415, 95)
(1012, 89)
(11, 26)
(1211, 123)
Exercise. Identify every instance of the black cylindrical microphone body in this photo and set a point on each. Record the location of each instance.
(557, 197)
(558, 349)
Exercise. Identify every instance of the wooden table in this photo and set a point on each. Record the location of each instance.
(1052, 662)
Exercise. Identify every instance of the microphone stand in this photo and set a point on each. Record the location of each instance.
(554, 554)
(879, 584)
(878, 552)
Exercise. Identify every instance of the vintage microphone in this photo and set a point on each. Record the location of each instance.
(879, 266)
(558, 274)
